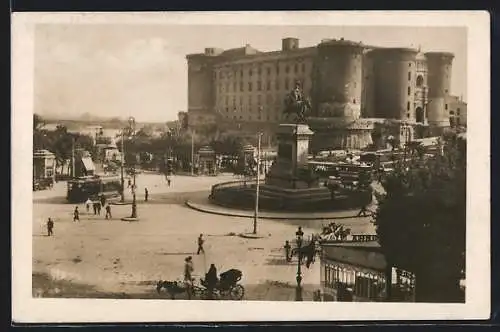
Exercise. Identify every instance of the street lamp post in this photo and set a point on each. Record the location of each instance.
(298, 291)
(122, 198)
(133, 215)
(257, 187)
(134, 203)
(192, 152)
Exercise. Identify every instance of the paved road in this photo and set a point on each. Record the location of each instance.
(117, 256)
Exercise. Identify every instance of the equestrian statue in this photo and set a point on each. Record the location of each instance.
(296, 103)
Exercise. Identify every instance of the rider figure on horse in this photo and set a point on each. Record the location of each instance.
(296, 103)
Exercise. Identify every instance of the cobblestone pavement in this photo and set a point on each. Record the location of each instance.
(129, 257)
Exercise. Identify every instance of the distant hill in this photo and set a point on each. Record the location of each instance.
(87, 119)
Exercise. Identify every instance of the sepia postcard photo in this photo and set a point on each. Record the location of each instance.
(250, 166)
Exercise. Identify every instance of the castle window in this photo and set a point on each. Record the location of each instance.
(287, 69)
(303, 67)
(458, 111)
(409, 64)
(268, 71)
(409, 76)
(234, 117)
(241, 86)
(277, 84)
(234, 101)
(277, 69)
(409, 91)
(268, 85)
(241, 116)
(446, 106)
(250, 72)
(227, 100)
(286, 84)
(452, 113)
(234, 86)
(296, 68)
(258, 99)
(420, 80)
(354, 101)
(227, 109)
(408, 115)
(249, 86)
(445, 90)
(408, 106)
(241, 72)
(250, 100)
(259, 86)
(241, 100)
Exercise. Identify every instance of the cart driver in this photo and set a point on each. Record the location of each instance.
(211, 279)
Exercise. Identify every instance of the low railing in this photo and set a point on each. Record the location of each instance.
(232, 184)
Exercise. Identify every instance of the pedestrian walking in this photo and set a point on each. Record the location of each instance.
(108, 212)
(87, 204)
(188, 275)
(287, 251)
(129, 184)
(363, 211)
(200, 244)
(99, 207)
(169, 181)
(50, 227)
(103, 200)
(76, 214)
(146, 194)
(94, 205)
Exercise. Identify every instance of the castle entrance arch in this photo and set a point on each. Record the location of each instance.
(420, 115)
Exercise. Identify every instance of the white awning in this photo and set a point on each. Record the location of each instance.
(88, 164)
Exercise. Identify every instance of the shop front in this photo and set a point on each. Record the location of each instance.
(207, 161)
(356, 272)
(44, 168)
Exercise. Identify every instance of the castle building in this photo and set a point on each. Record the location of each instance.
(354, 89)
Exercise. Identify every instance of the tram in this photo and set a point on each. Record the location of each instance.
(80, 189)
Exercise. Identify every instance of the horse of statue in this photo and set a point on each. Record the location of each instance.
(297, 104)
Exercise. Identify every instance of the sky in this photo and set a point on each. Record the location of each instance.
(141, 70)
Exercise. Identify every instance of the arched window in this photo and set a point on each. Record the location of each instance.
(420, 80)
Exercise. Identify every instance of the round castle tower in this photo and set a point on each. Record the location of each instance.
(338, 88)
(439, 66)
(337, 96)
(395, 77)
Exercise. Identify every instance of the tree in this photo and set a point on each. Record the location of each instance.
(421, 221)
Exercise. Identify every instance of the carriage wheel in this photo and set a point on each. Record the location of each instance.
(237, 292)
(199, 292)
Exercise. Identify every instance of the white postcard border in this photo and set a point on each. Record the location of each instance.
(26, 309)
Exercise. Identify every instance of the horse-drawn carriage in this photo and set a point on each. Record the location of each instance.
(226, 288)
(311, 247)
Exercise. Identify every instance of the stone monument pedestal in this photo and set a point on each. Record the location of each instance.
(290, 169)
(289, 179)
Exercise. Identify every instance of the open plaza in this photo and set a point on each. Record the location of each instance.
(115, 258)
